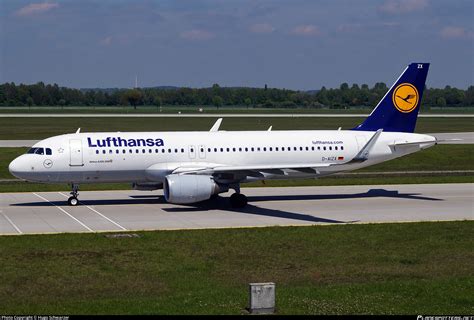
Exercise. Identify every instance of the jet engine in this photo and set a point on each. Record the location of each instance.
(183, 189)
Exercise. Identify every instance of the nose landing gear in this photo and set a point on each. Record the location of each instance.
(73, 201)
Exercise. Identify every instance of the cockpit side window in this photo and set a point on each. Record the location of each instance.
(48, 151)
(36, 151)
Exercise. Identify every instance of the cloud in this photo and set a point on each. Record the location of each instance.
(455, 33)
(197, 35)
(36, 8)
(107, 41)
(306, 30)
(403, 6)
(261, 28)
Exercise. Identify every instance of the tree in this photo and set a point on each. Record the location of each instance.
(217, 101)
(133, 97)
(29, 101)
(248, 102)
(441, 102)
(157, 101)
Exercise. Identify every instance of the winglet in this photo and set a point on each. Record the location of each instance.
(363, 154)
(216, 125)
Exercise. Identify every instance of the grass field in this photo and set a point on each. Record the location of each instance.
(411, 268)
(441, 157)
(40, 128)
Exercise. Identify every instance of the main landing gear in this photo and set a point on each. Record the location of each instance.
(73, 201)
(238, 200)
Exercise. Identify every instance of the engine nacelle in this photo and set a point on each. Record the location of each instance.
(183, 189)
(147, 186)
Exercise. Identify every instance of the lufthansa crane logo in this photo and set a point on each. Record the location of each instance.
(405, 97)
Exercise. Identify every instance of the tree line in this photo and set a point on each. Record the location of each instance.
(343, 97)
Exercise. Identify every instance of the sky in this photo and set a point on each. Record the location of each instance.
(292, 44)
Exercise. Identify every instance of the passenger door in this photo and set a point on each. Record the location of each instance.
(75, 152)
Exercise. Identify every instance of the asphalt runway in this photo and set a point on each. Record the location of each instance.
(460, 138)
(100, 211)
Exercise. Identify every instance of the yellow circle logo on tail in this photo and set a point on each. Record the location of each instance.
(405, 97)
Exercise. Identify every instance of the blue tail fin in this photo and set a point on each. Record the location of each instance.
(398, 109)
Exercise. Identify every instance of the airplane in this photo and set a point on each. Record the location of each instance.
(194, 166)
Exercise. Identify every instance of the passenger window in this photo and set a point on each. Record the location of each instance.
(252, 149)
(246, 149)
(335, 148)
(330, 148)
(312, 148)
(137, 151)
(124, 151)
(97, 152)
(276, 148)
(215, 149)
(342, 148)
(294, 148)
(324, 148)
(110, 151)
(182, 150)
(117, 151)
(264, 148)
(270, 149)
(222, 149)
(307, 148)
(208, 149)
(150, 151)
(103, 151)
(319, 148)
(240, 149)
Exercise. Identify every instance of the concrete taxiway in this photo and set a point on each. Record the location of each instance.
(48, 212)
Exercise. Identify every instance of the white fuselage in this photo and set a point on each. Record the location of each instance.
(147, 157)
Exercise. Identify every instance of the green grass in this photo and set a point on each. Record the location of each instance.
(410, 268)
(40, 128)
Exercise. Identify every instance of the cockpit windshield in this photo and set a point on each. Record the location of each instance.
(40, 151)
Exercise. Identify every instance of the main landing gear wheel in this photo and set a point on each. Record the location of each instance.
(72, 201)
(238, 200)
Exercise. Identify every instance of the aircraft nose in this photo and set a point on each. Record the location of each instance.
(15, 167)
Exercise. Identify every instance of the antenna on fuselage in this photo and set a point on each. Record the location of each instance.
(78, 130)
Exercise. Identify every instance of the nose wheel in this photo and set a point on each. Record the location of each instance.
(73, 201)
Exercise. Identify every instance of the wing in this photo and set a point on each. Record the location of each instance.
(231, 173)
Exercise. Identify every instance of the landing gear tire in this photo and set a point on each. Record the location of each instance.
(72, 201)
(238, 200)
